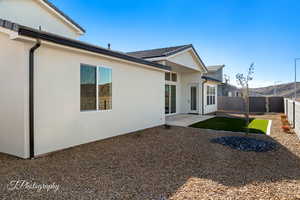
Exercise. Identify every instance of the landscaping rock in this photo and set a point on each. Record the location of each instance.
(245, 143)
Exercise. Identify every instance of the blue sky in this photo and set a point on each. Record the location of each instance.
(230, 32)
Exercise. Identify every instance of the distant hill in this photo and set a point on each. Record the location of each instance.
(285, 90)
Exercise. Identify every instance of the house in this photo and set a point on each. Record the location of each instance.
(224, 89)
(59, 92)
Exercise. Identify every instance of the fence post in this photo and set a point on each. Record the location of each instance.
(294, 120)
(267, 105)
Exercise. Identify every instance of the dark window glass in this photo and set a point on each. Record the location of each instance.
(104, 88)
(174, 77)
(167, 99)
(88, 87)
(173, 98)
(193, 98)
(167, 76)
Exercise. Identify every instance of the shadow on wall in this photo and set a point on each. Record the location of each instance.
(151, 163)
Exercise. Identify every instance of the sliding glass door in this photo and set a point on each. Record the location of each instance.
(170, 99)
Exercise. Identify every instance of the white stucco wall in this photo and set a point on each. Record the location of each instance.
(210, 108)
(14, 97)
(33, 14)
(138, 100)
(186, 80)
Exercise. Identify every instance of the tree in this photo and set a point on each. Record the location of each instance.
(243, 81)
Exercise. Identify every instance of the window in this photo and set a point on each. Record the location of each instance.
(95, 88)
(170, 99)
(104, 88)
(88, 89)
(211, 95)
(167, 76)
(174, 77)
(171, 76)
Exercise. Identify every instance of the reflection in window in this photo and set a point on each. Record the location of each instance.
(104, 88)
(87, 87)
(95, 88)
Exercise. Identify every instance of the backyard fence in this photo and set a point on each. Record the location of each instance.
(292, 111)
(256, 104)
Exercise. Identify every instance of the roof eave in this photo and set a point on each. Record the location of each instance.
(63, 15)
(32, 33)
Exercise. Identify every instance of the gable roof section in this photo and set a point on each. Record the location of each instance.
(62, 14)
(160, 52)
(165, 52)
(53, 38)
(214, 68)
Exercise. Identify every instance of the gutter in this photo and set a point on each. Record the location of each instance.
(57, 39)
(31, 98)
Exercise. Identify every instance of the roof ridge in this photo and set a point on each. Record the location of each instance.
(179, 46)
(174, 50)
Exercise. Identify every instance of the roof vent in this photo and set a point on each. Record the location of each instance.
(108, 46)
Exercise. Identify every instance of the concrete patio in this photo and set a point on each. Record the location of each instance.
(186, 120)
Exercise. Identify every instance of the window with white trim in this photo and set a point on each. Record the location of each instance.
(95, 88)
(211, 95)
(171, 76)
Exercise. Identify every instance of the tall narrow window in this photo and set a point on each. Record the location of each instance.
(167, 99)
(173, 98)
(104, 88)
(88, 87)
(174, 77)
(167, 76)
(211, 95)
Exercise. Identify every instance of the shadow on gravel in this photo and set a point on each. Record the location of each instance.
(156, 162)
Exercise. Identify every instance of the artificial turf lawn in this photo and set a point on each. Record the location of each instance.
(234, 124)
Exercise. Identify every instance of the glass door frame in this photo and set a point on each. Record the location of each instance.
(190, 98)
(170, 111)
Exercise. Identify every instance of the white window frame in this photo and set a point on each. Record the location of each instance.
(97, 89)
(210, 95)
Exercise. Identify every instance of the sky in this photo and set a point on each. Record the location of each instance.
(231, 32)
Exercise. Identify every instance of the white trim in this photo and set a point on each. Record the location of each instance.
(61, 17)
(269, 127)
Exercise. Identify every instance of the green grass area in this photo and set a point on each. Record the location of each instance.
(234, 124)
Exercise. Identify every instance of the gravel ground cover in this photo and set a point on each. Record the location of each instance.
(158, 163)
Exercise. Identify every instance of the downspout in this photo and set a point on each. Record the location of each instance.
(31, 98)
(203, 95)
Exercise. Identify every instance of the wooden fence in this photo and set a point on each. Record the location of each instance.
(256, 104)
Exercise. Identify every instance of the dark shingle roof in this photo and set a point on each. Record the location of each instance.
(152, 53)
(63, 14)
(211, 79)
(50, 37)
(9, 25)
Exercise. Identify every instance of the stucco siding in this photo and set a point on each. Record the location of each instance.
(137, 100)
(188, 79)
(14, 96)
(33, 14)
(214, 107)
